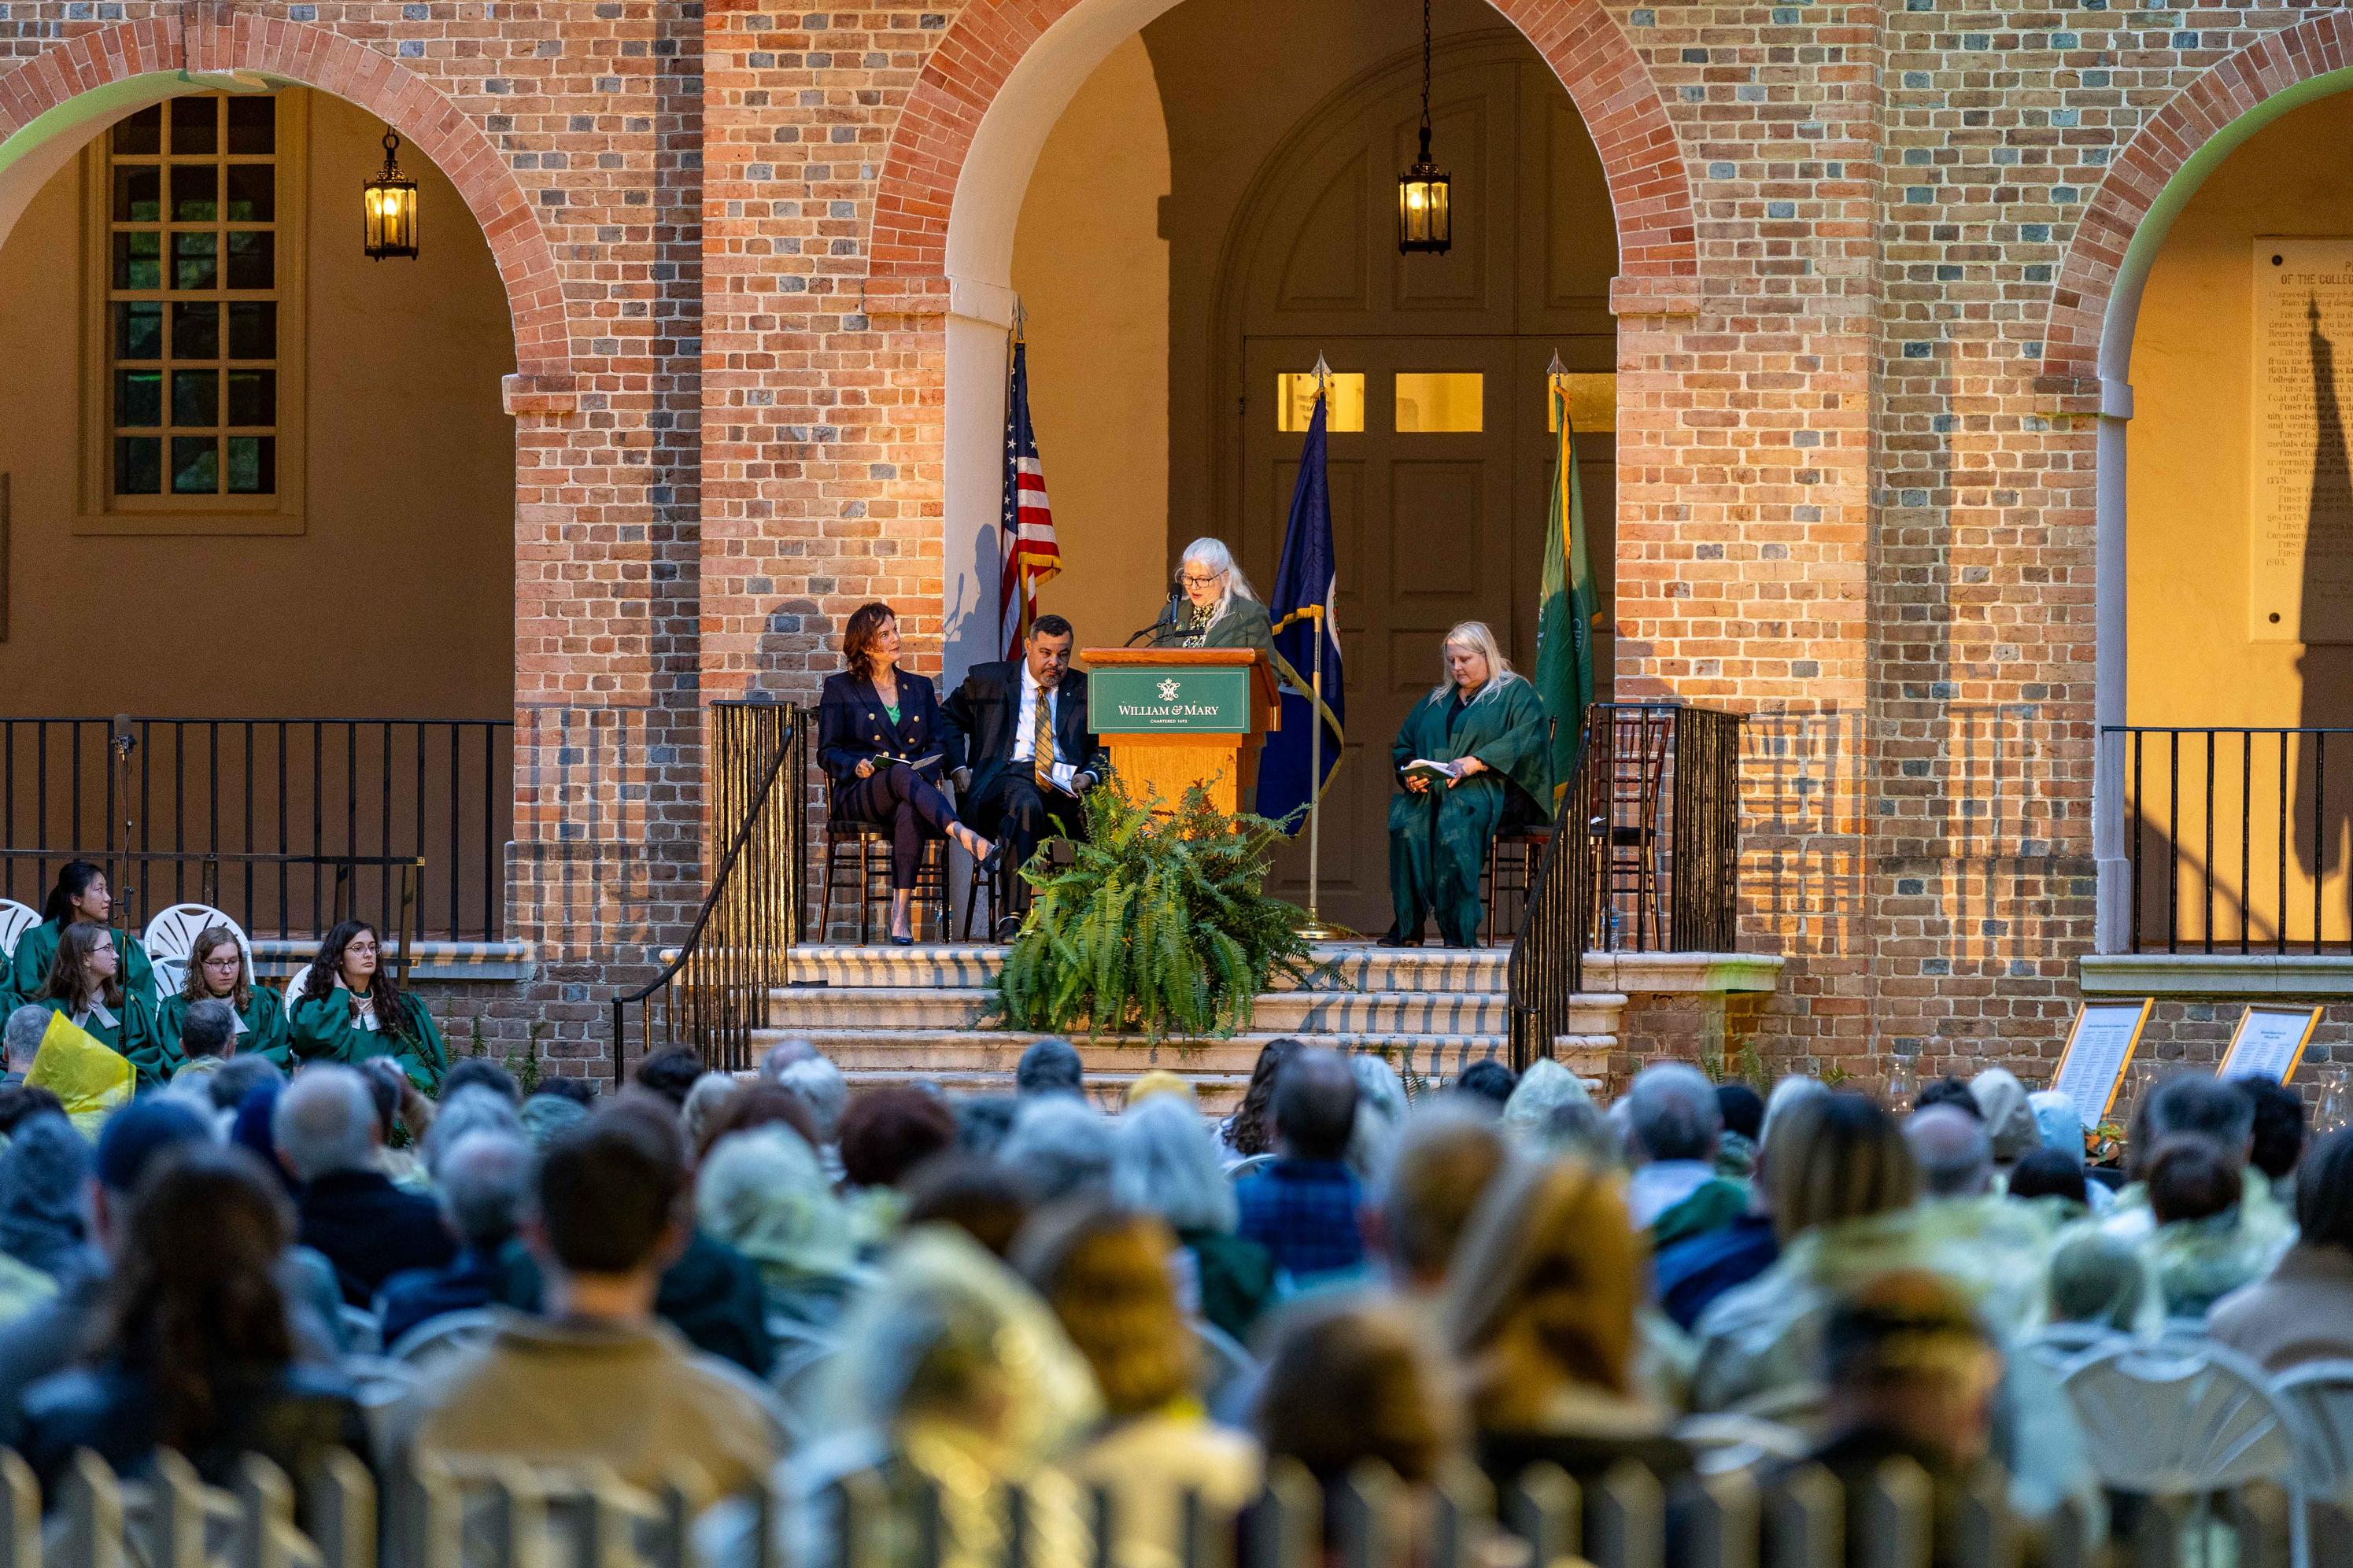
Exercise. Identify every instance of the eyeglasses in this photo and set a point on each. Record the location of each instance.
(1195, 580)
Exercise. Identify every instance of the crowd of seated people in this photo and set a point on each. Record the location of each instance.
(1030, 1287)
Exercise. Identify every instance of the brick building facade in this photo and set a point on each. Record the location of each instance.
(1867, 254)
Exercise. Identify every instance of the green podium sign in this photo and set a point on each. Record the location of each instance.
(1179, 698)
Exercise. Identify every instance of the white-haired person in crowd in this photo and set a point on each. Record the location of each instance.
(818, 1085)
(1061, 1146)
(1472, 760)
(1214, 604)
(1673, 1125)
(482, 1177)
(1380, 1107)
(20, 1039)
(1165, 1162)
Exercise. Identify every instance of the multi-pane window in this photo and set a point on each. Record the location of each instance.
(193, 402)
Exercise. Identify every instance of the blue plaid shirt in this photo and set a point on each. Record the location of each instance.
(1304, 1212)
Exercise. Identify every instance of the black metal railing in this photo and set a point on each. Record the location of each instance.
(2238, 838)
(714, 994)
(274, 805)
(1645, 857)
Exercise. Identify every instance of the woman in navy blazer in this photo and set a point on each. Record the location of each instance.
(879, 732)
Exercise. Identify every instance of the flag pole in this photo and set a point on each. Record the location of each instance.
(1315, 929)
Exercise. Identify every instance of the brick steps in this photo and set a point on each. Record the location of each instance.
(886, 1014)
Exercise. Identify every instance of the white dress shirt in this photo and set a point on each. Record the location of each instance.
(1064, 772)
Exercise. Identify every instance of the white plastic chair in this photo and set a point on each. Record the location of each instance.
(294, 983)
(1725, 1442)
(435, 1340)
(2321, 1394)
(170, 939)
(2183, 1419)
(1256, 1163)
(363, 1330)
(801, 1349)
(1225, 1364)
(2061, 1346)
(379, 1384)
(16, 919)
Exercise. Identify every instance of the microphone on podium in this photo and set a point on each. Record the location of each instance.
(1167, 617)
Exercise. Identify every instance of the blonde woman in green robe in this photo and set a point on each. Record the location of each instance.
(1485, 729)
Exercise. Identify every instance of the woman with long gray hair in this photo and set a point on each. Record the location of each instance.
(1472, 759)
(1214, 605)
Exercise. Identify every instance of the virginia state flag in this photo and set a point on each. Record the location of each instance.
(1305, 585)
(1565, 619)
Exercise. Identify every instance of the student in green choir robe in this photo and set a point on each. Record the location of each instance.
(217, 969)
(85, 984)
(1485, 728)
(1214, 606)
(80, 894)
(350, 1010)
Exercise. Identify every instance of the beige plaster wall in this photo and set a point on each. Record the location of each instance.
(1092, 271)
(2189, 659)
(397, 599)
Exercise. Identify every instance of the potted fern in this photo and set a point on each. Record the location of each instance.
(1159, 925)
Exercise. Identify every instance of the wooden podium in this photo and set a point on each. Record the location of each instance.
(1176, 717)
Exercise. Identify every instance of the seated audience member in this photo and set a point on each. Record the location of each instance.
(41, 1177)
(228, 1085)
(974, 1193)
(1380, 1106)
(1954, 1150)
(2195, 1104)
(2009, 1119)
(1538, 1097)
(218, 972)
(1909, 1375)
(2200, 1250)
(1540, 1318)
(2303, 1310)
(1674, 1125)
(324, 1126)
(193, 1347)
(549, 1110)
(404, 1119)
(596, 1378)
(475, 1108)
(711, 1293)
(760, 1105)
(1786, 1096)
(2098, 1281)
(1158, 1080)
(983, 1121)
(1303, 1207)
(1837, 1178)
(886, 1133)
(1105, 1273)
(85, 987)
(350, 1010)
(670, 1072)
(481, 1072)
(206, 1042)
(953, 1379)
(1947, 1090)
(21, 1040)
(764, 1194)
(2045, 1173)
(1350, 1381)
(820, 1086)
(1061, 1147)
(711, 1094)
(1688, 1276)
(19, 1105)
(2278, 1135)
(579, 1090)
(1489, 1080)
(1050, 1066)
(782, 1055)
(80, 894)
(2061, 1126)
(1250, 1131)
(1165, 1162)
(1447, 1158)
(1742, 1109)
(483, 1178)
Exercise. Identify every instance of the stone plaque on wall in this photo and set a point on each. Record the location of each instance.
(2300, 511)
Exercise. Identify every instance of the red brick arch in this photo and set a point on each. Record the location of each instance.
(2166, 142)
(1649, 188)
(193, 40)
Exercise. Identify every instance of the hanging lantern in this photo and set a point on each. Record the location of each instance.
(1425, 191)
(390, 206)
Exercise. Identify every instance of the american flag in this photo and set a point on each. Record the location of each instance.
(1031, 554)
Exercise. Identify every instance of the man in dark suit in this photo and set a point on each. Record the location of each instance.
(1010, 789)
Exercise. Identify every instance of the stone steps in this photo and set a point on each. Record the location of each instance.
(959, 965)
(1278, 1012)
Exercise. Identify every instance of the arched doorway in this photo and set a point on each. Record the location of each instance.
(1441, 469)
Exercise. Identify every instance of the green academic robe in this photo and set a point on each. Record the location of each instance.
(1244, 624)
(1438, 839)
(327, 1030)
(264, 1034)
(131, 1033)
(37, 948)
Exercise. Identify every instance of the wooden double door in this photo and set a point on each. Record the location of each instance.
(1440, 470)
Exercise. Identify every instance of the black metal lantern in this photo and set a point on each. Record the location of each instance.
(1425, 191)
(389, 203)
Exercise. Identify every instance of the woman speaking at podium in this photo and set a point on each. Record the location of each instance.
(879, 732)
(1213, 605)
(1472, 758)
